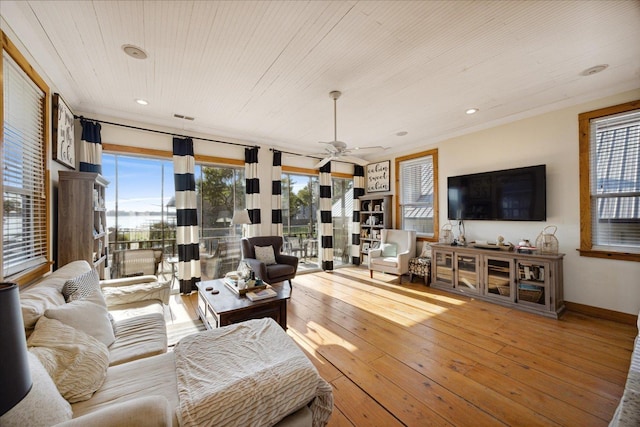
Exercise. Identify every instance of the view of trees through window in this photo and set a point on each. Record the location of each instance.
(140, 201)
(300, 201)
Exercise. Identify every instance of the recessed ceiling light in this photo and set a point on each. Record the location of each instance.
(134, 51)
(594, 70)
(472, 111)
(402, 133)
(142, 101)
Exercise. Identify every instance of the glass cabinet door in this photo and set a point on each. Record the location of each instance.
(532, 283)
(498, 278)
(467, 273)
(443, 271)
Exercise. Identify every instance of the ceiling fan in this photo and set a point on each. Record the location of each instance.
(337, 150)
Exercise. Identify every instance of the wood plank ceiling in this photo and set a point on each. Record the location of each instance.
(261, 71)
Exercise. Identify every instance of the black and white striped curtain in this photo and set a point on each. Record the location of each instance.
(276, 194)
(326, 221)
(253, 190)
(90, 147)
(187, 234)
(358, 190)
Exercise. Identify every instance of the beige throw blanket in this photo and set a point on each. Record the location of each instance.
(248, 374)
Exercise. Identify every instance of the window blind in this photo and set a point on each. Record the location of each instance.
(615, 182)
(24, 232)
(416, 195)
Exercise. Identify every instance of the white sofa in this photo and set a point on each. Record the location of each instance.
(628, 410)
(138, 384)
(135, 303)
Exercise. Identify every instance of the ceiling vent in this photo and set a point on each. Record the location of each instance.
(183, 117)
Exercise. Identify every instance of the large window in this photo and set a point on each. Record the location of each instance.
(25, 190)
(610, 182)
(418, 193)
(141, 209)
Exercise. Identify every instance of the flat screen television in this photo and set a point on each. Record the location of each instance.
(506, 195)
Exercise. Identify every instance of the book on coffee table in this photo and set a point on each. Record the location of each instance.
(261, 294)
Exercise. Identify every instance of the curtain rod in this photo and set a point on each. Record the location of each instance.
(296, 154)
(165, 133)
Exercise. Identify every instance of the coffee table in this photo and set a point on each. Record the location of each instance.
(226, 307)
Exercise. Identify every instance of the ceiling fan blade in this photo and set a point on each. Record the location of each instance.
(323, 162)
(353, 159)
(372, 147)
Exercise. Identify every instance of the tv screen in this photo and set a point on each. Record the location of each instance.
(507, 195)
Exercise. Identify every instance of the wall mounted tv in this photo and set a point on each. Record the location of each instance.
(506, 195)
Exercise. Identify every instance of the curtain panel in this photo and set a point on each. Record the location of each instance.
(252, 190)
(90, 147)
(326, 221)
(358, 191)
(187, 233)
(276, 194)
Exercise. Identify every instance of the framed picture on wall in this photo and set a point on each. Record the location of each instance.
(378, 176)
(64, 147)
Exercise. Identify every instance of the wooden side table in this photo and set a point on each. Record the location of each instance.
(420, 266)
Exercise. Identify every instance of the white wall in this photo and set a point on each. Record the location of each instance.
(550, 139)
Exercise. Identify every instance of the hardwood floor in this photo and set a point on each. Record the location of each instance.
(411, 355)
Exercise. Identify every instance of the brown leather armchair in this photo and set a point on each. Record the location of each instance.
(285, 267)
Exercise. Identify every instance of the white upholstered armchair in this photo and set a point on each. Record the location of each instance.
(396, 248)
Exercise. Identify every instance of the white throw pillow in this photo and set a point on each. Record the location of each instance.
(426, 251)
(389, 249)
(76, 362)
(87, 316)
(265, 254)
(43, 406)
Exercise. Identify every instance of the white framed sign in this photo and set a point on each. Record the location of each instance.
(64, 147)
(379, 176)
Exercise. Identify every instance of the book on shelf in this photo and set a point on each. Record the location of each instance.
(261, 294)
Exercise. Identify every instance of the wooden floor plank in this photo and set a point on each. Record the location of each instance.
(359, 408)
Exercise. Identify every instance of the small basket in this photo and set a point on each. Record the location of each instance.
(547, 243)
(505, 291)
(529, 295)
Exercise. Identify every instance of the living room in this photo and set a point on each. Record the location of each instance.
(548, 134)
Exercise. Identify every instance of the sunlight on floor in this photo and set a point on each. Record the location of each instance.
(356, 287)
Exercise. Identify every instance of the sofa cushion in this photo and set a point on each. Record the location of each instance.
(43, 405)
(138, 337)
(77, 362)
(135, 309)
(82, 286)
(86, 316)
(154, 376)
(151, 290)
(48, 292)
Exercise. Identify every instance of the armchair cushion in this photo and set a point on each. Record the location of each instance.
(265, 254)
(389, 249)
